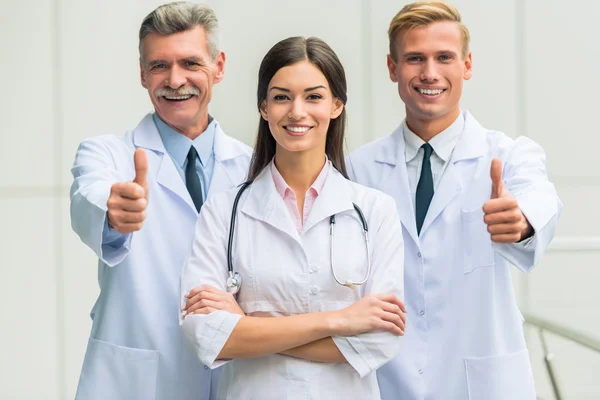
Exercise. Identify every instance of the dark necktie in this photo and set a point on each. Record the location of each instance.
(192, 182)
(424, 188)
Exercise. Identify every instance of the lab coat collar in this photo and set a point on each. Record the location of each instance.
(335, 198)
(146, 136)
(392, 152)
(226, 149)
(471, 144)
(265, 204)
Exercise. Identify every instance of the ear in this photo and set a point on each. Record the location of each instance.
(219, 67)
(391, 64)
(468, 67)
(337, 108)
(143, 76)
(263, 110)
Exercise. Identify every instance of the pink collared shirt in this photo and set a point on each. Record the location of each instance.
(290, 199)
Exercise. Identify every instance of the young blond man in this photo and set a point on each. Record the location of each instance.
(472, 202)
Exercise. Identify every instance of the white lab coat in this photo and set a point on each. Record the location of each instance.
(136, 350)
(464, 337)
(286, 274)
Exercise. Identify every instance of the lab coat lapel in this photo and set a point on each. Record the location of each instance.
(265, 204)
(146, 136)
(472, 144)
(223, 152)
(334, 198)
(396, 185)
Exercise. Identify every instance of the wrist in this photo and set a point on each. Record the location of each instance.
(527, 232)
(334, 323)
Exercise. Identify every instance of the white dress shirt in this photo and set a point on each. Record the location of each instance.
(443, 145)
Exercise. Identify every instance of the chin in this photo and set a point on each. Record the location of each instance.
(295, 147)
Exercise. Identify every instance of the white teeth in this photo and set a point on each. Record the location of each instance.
(430, 91)
(178, 97)
(298, 129)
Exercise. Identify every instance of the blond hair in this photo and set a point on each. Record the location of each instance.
(425, 12)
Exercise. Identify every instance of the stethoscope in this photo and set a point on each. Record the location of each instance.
(234, 281)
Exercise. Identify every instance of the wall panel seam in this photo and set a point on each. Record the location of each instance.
(61, 354)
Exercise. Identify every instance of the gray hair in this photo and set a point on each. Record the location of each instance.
(181, 16)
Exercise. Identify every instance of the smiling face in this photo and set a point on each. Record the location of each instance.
(178, 72)
(299, 107)
(429, 71)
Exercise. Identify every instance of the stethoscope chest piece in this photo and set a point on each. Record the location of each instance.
(234, 282)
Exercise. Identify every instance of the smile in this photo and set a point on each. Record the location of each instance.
(297, 130)
(430, 92)
(178, 98)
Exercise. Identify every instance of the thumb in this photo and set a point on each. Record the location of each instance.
(496, 175)
(141, 168)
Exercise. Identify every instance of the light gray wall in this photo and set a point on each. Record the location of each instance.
(71, 72)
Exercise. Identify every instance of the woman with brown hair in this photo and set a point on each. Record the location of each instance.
(320, 306)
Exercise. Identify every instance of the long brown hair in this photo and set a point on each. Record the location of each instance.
(287, 52)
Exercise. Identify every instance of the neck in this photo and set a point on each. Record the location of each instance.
(427, 129)
(299, 169)
(194, 129)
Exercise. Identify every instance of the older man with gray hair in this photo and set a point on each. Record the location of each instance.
(135, 201)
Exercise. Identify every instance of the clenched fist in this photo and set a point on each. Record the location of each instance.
(128, 200)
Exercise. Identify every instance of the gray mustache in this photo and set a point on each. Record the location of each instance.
(184, 91)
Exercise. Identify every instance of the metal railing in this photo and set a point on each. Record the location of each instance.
(543, 326)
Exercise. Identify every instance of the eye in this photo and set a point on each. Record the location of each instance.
(157, 66)
(280, 97)
(314, 96)
(414, 59)
(192, 64)
(445, 57)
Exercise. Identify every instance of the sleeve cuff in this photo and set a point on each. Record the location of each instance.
(357, 354)
(527, 244)
(112, 237)
(208, 335)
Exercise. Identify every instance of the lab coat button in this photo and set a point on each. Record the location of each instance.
(314, 289)
(206, 368)
(419, 254)
(313, 268)
(422, 312)
(420, 372)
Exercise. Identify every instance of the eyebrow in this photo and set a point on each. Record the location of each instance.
(416, 53)
(156, 62)
(186, 59)
(193, 59)
(310, 89)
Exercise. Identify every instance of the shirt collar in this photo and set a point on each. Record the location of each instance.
(282, 187)
(178, 145)
(443, 143)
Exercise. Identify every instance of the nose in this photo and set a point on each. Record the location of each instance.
(429, 72)
(176, 78)
(297, 112)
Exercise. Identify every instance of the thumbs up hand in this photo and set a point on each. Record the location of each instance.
(506, 223)
(128, 200)
(141, 170)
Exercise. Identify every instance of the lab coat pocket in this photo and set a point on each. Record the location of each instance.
(478, 251)
(117, 372)
(506, 377)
